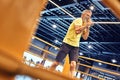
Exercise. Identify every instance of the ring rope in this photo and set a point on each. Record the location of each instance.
(80, 56)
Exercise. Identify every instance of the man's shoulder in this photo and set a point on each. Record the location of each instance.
(77, 20)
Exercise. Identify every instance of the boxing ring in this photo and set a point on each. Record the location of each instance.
(66, 64)
(18, 22)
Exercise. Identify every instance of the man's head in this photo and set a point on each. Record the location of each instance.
(86, 14)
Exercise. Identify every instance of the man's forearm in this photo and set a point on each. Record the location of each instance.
(85, 33)
(83, 28)
(80, 29)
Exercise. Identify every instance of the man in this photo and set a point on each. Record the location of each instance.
(79, 27)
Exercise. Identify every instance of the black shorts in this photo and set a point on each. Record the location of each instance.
(67, 49)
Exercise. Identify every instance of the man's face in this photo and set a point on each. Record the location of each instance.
(87, 15)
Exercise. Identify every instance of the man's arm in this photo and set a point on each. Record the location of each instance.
(85, 33)
(79, 29)
(84, 29)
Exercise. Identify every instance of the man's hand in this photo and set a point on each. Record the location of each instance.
(89, 23)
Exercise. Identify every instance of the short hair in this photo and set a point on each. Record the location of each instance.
(87, 11)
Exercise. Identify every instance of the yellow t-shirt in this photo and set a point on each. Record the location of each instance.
(71, 37)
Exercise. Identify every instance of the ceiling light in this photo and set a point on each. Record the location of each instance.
(54, 26)
(55, 48)
(81, 53)
(91, 7)
(56, 41)
(113, 60)
(90, 46)
(99, 63)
